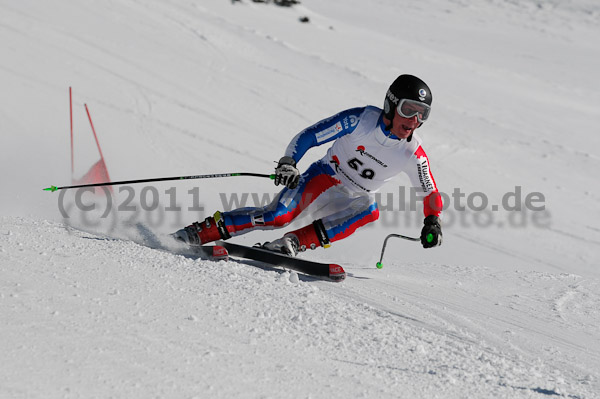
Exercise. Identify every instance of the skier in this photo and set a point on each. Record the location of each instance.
(370, 146)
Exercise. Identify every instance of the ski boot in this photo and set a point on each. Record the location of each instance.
(311, 236)
(199, 233)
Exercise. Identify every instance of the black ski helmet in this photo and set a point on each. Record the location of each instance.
(405, 86)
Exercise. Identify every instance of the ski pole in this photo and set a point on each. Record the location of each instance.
(213, 176)
(379, 264)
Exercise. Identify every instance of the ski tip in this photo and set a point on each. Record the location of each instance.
(336, 272)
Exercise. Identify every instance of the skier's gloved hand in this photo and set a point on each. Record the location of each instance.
(286, 173)
(431, 234)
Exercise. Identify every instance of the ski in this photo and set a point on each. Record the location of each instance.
(329, 271)
(212, 252)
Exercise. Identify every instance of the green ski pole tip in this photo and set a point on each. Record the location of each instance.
(379, 265)
(51, 188)
(429, 237)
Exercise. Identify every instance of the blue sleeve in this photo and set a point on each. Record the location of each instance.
(323, 132)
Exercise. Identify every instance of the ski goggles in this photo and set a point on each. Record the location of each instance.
(409, 108)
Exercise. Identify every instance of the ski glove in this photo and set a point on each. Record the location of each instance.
(286, 173)
(431, 234)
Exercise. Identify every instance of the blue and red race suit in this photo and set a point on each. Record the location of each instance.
(340, 187)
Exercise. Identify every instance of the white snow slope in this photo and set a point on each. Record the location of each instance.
(508, 307)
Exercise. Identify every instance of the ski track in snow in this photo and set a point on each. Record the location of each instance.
(111, 310)
(193, 326)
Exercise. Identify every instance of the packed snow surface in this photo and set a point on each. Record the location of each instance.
(97, 303)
